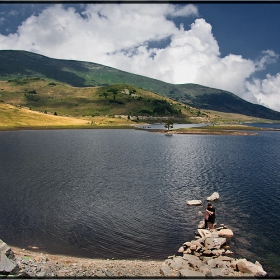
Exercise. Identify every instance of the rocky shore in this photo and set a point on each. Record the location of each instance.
(208, 255)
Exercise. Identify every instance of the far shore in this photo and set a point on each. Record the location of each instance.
(226, 129)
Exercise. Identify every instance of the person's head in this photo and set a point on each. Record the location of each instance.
(209, 205)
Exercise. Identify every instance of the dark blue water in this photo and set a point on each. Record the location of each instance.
(122, 193)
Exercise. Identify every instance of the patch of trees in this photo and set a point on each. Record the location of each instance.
(23, 81)
(162, 107)
(31, 95)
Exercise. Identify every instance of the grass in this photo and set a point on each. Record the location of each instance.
(32, 102)
(50, 96)
(13, 117)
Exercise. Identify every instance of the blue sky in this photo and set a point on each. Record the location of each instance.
(231, 46)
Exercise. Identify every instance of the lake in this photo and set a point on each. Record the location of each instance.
(106, 193)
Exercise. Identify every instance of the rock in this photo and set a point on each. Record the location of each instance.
(218, 272)
(4, 248)
(213, 196)
(196, 242)
(187, 244)
(7, 266)
(178, 263)
(213, 263)
(245, 266)
(181, 249)
(194, 202)
(201, 224)
(185, 272)
(207, 252)
(204, 232)
(188, 251)
(228, 252)
(214, 243)
(8, 263)
(225, 259)
(205, 269)
(218, 252)
(193, 247)
(225, 233)
(165, 270)
(193, 261)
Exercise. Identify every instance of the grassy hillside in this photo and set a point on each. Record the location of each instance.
(19, 117)
(51, 97)
(18, 64)
(40, 103)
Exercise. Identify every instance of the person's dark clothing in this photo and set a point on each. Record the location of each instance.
(211, 218)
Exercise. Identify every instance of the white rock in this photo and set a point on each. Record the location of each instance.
(214, 243)
(225, 233)
(213, 196)
(194, 202)
(204, 232)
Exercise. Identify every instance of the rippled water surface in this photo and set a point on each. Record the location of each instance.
(122, 193)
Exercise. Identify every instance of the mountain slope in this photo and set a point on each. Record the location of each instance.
(79, 74)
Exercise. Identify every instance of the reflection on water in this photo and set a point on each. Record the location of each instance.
(123, 193)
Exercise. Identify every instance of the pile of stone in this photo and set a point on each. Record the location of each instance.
(209, 256)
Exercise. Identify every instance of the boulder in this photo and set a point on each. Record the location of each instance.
(218, 252)
(181, 249)
(188, 243)
(204, 232)
(193, 261)
(207, 252)
(214, 243)
(225, 233)
(245, 266)
(214, 263)
(218, 272)
(213, 196)
(186, 272)
(178, 263)
(8, 263)
(194, 202)
(166, 271)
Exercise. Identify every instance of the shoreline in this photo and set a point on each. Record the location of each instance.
(230, 130)
(35, 262)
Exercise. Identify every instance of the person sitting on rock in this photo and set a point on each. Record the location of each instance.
(210, 212)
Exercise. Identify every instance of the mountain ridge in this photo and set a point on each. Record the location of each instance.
(87, 74)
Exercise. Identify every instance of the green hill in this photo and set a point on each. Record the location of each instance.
(49, 96)
(18, 64)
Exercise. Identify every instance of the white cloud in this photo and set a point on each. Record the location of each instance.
(119, 36)
(266, 91)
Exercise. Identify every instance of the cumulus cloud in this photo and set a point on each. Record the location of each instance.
(266, 92)
(120, 36)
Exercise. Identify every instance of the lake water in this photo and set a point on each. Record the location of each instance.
(122, 193)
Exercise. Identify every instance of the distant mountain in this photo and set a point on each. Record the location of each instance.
(15, 64)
